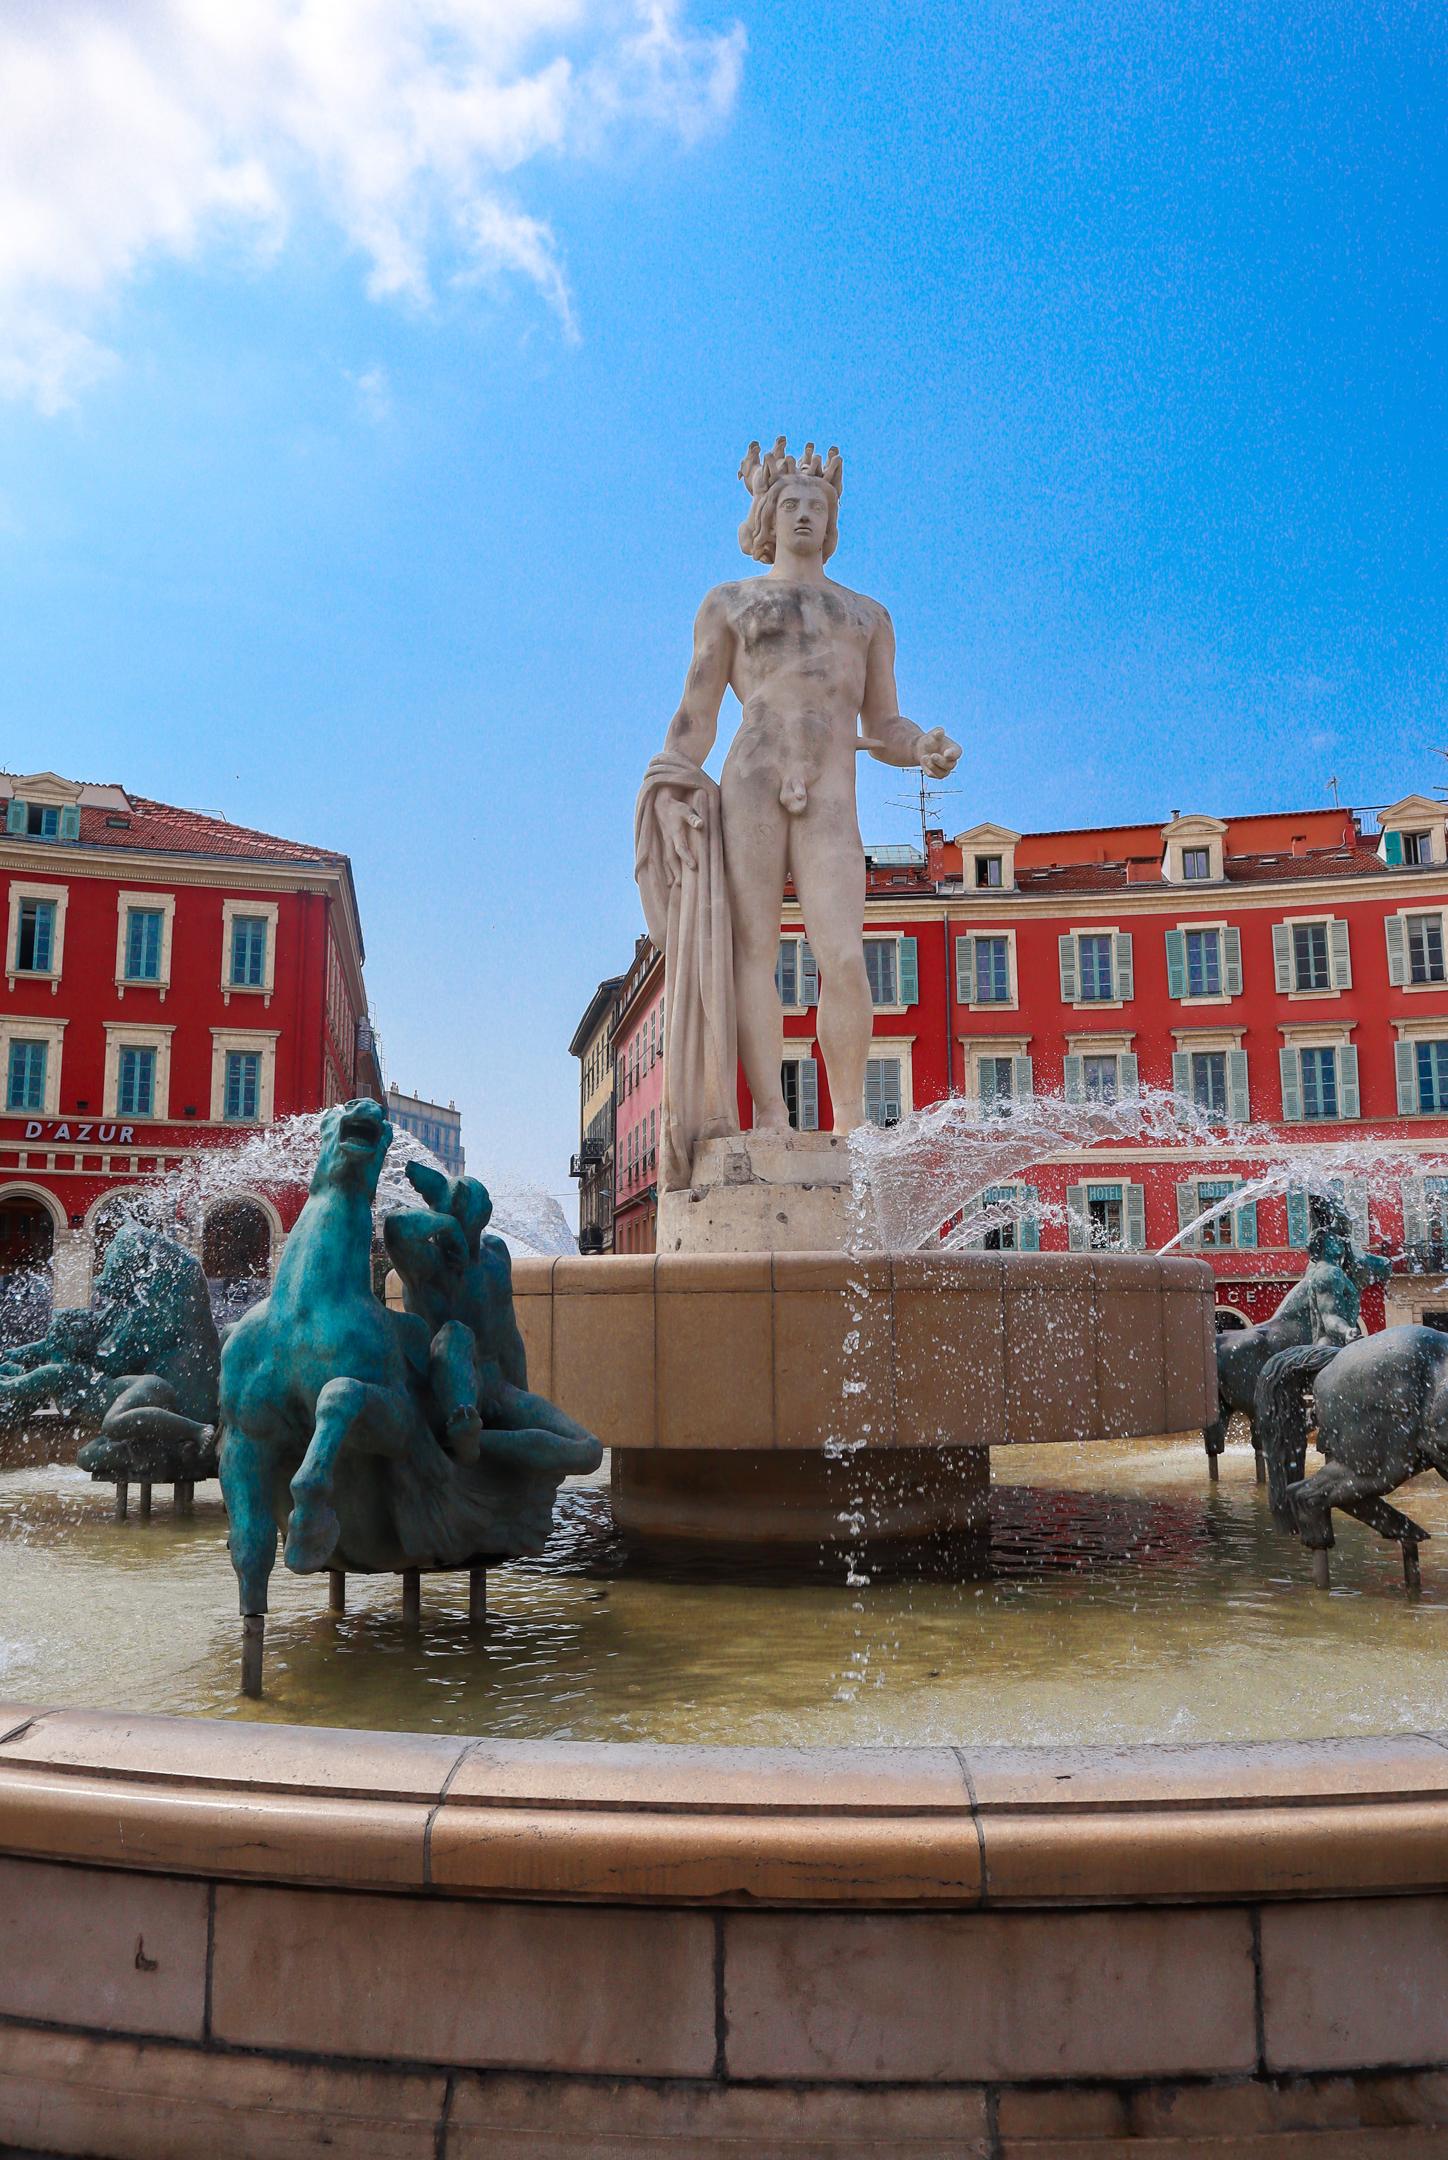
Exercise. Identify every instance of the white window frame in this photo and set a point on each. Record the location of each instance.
(1116, 1046)
(979, 1047)
(801, 1051)
(262, 1039)
(1329, 1035)
(1077, 931)
(29, 1029)
(1011, 1002)
(799, 941)
(1190, 1040)
(1334, 990)
(230, 909)
(27, 889)
(150, 903)
(1402, 915)
(895, 938)
(903, 1048)
(122, 1036)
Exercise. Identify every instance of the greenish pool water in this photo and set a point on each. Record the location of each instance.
(1129, 1601)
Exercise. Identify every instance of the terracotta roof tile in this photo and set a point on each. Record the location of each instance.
(156, 825)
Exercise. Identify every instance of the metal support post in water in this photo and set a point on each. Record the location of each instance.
(336, 1589)
(1412, 1572)
(477, 1596)
(145, 1499)
(123, 1496)
(1212, 1471)
(253, 1644)
(183, 1495)
(1322, 1568)
(411, 1598)
(1261, 1462)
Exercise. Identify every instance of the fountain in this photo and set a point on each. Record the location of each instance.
(806, 1803)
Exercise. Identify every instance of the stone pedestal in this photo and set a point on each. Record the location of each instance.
(762, 1193)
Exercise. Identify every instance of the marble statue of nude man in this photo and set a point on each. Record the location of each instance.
(806, 658)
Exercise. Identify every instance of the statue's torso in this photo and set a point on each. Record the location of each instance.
(798, 670)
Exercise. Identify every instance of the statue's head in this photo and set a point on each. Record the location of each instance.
(465, 1199)
(803, 493)
(355, 1140)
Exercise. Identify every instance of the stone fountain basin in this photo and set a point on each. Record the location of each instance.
(720, 1381)
(246, 1938)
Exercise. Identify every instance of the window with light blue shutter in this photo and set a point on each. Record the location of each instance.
(15, 815)
(136, 1082)
(992, 971)
(70, 822)
(1176, 963)
(1393, 849)
(25, 1076)
(248, 952)
(1204, 963)
(1319, 1071)
(143, 944)
(1094, 955)
(908, 969)
(241, 1105)
(35, 937)
(882, 1091)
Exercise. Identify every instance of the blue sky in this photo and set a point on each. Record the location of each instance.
(1129, 320)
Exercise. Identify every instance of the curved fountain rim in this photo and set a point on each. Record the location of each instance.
(646, 1823)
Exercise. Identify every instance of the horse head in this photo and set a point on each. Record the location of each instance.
(465, 1199)
(355, 1140)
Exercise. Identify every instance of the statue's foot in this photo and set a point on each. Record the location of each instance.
(312, 1533)
(464, 1434)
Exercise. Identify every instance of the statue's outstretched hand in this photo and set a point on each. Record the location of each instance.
(679, 820)
(937, 754)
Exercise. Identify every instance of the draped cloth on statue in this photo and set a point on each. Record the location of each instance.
(687, 912)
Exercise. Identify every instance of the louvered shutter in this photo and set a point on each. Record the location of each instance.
(1176, 963)
(1075, 1080)
(909, 972)
(1028, 1229)
(1396, 932)
(1070, 970)
(1393, 848)
(809, 975)
(1128, 1082)
(1348, 1100)
(1023, 1079)
(1232, 961)
(809, 1095)
(1188, 1209)
(1124, 971)
(1299, 1220)
(1245, 1220)
(965, 970)
(1405, 1062)
(1415, 1212)
(1355, 1196)
(785, 970)
(1078, 1221)
(70, 822)
(1291, 1086)
(1282, 955)
(1239, 1106)
(1339, 948)
(1181, 1075)
(15, 815)
(1133, 1216)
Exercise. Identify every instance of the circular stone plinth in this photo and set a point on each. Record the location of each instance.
(675, 1359)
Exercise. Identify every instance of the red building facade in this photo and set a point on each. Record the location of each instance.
(1285, 971)
(172, 982)
(638, 1069)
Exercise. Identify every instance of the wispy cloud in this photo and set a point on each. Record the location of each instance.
(164, 128)
(374, 393)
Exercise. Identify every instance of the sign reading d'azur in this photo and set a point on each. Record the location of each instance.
(80, 1130)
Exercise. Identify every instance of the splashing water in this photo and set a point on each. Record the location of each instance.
(923, 1182)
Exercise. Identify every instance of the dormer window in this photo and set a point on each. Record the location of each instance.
(988, 871)
(1193, 849)
(988, 858)
(42, 821)
(1417, 847)
(1196, 862)
(1412, 833)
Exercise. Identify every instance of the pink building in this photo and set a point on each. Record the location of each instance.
(638, 1054)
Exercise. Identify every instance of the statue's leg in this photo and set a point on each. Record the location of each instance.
(349, 1414)
(755, 851)
(453, 1379)
(66, 1386)
(828, 861)
(1356, 1492)
(246, 1486)
(527, 1427)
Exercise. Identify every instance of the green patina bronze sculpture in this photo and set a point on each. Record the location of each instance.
(1325, 1305)
(139, 1363)
(381, 1441)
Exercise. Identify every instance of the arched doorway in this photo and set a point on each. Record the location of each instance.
(27, 1243)
(1229, 1320)
(236, 1253)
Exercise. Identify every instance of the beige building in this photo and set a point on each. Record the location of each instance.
(592, 1045)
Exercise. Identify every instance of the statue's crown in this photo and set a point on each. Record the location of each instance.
(759, 473)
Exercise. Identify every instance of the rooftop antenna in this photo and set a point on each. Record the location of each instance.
(923, 801)
(1332, 783)
(1440, 789)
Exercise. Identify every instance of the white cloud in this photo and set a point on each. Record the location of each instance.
(374, 393)
(158, 129)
